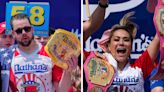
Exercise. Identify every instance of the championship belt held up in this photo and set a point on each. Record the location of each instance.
(61, 46)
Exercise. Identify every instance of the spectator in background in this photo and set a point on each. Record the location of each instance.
(44, 39)
(5, 40)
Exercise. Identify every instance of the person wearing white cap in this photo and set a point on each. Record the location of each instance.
(5, 40)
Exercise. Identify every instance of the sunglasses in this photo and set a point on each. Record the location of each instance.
(20, 30)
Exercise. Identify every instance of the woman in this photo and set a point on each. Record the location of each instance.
(118, 42)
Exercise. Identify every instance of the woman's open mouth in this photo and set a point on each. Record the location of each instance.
(121, 50)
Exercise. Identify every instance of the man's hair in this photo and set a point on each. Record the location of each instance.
(19, 16)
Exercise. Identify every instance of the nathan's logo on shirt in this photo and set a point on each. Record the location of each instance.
(30, 68)
(126, 81)
(30, 82)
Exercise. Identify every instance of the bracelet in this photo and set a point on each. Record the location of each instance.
(102, 6)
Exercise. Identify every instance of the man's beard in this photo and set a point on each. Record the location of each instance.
(27, 43)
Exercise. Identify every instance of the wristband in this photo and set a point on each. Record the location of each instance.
(102, 6)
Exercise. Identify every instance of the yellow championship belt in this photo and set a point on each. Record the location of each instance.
(61, 46)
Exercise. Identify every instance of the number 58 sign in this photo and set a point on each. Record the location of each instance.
(37, 12)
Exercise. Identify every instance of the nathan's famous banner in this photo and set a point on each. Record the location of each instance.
(115, 11)
(65, 14)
